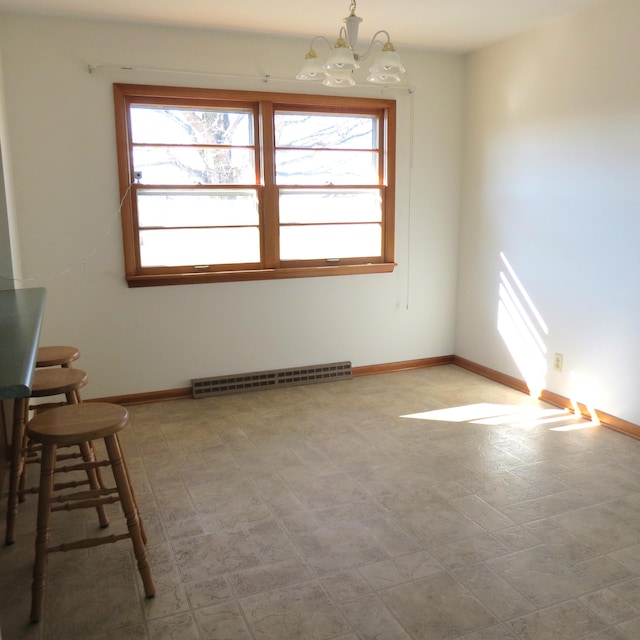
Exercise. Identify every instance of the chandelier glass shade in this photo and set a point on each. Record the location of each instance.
(343, 59)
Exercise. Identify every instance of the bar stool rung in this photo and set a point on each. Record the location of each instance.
(83, 504)
(82, 466)
(89, 542)
(84, 495)
(59, 486)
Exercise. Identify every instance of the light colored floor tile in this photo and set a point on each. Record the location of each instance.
(325, 512)
(482, 513)
(494, 592)
(303, 611)
(436, 608)
(371, 620)
(389, 573)
(629, 590)
(208, 592)
(542, 576)
(177, 627)
(601, 526)
(222, 622)
(267, 577)
(498, 632)
(606, 634)
(564, 621)
(345, 586)
(470, 551)
(609, 606)
(630, 629)
(338, 548)
(116, 606)
(604, 569)
(562, 542)
(629, 558)
(211, 555)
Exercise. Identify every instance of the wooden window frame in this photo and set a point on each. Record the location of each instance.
(264, 105)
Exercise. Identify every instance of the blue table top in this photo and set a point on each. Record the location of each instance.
(21, 313)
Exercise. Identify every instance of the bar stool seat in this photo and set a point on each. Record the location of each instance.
(57, 381)
(56, 356)
(45, 383)
(73, 425)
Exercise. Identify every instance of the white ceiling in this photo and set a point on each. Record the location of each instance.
(455, 25)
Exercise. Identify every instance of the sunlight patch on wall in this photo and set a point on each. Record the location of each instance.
(522, 329)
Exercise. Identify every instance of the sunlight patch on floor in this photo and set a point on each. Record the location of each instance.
(504, 414)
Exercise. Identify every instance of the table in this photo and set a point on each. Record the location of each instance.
(21, 314)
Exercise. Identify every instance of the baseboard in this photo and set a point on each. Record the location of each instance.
(492, 374)
(555, 399)
(404, 365)
(187, 392)
(147, 397)
(607, 420)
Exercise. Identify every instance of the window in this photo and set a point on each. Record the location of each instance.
(233, 185)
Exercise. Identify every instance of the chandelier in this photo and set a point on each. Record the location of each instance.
(343, 59)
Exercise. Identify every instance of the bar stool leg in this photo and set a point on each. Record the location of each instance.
(27, 451)
(47, 465)
(130, 512)
(17, 462)
(95, 481)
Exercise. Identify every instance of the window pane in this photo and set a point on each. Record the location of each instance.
(326, 131)
(194, 165)
(176, 247)
(336, 205)
(162, 125)
(330, 241)
(326, 167)
(197, 208)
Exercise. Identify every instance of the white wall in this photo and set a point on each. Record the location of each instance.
(553, 182)
(9, 245)
(137, 340)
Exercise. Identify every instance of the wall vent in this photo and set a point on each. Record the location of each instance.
(204, 387)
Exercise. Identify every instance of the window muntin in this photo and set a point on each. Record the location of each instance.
(225, 185)
(178, 247)
(194, 165)
(204, 227)
(197, 208)
(171, 125)
(336, 148)
(192, 146)
(308, 206)
(329, 242)
(325, 130)
(331, 224)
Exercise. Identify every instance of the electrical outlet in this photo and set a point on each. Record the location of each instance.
(557, 362)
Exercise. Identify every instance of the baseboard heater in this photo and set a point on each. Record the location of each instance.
(205, 387)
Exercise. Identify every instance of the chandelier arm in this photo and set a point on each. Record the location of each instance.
(322, 39)
(373, 41)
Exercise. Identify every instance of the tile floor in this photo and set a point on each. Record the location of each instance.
(425, 505)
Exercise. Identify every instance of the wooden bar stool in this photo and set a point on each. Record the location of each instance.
(74, 425)
(45, 383)
(56, 356)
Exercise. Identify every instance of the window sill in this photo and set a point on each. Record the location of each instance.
(168, 279)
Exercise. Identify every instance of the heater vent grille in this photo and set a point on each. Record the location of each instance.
(204, 387)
